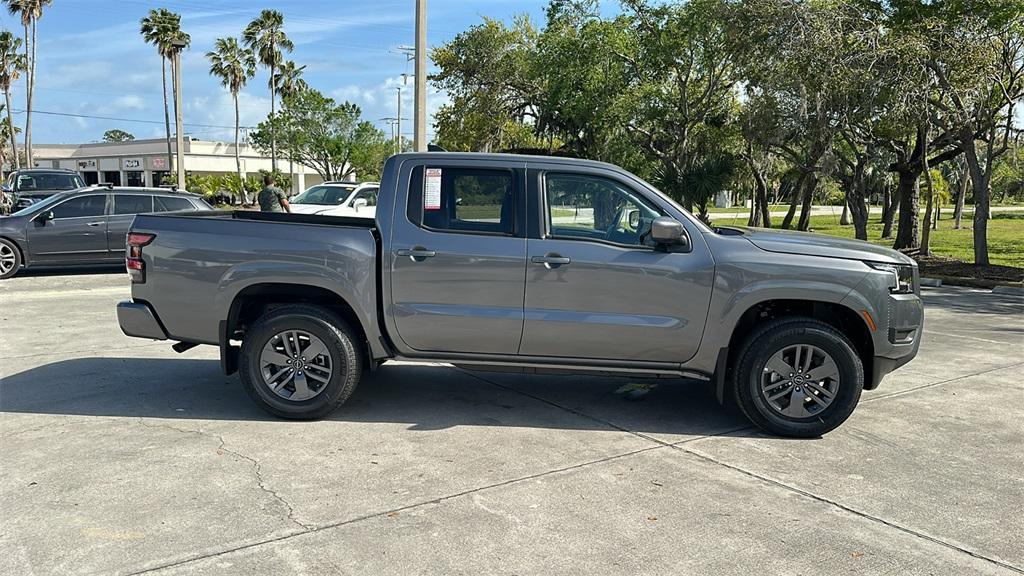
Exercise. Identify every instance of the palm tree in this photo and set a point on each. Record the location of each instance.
(30, 12)
(234, 65)
(289, 82)
(288, 79)
(12, 65)
(161, 28)
(265, 37)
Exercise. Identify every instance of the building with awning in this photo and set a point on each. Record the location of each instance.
(145, 162)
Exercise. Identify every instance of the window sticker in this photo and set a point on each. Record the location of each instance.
(432, 189)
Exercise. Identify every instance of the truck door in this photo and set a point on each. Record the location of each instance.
(458, 257)
(595, 285)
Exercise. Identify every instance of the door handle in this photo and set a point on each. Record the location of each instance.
(94, 224)
(550, 260)
(417, 253)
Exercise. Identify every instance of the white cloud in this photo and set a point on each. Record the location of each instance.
(380, 100)
(129, 102)
(219, 110)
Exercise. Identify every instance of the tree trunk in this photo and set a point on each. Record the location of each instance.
(907, 231)
(856, 200)
(766, 213)
(805, 210)
(961, 197)
(889, 203)
(926, 231)
(15, 161)
(794, 200)
(238, 159)
(167, 117)
(759, 198)
(981, 205)
(273, 97)
(28, 98)
(754, 217)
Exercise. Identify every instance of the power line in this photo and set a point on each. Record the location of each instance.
(92, 117)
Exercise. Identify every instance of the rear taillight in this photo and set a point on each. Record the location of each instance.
(133, 256)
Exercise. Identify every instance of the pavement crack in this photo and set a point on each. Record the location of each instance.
(258, 471)
(256, 467)
(681, 447)
(848, 509)
(393, 511)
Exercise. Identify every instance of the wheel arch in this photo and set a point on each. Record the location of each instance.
(257, 299)
(841, 317)
(17, 245)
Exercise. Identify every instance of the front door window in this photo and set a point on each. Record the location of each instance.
(593, 208)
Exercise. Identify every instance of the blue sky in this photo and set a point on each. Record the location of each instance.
(93, 61)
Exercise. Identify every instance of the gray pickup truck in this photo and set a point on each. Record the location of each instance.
(526, 263)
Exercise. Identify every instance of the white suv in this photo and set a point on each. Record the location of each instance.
(338, 199)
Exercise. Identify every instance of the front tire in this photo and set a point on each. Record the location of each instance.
(797, 377)
(300, 362)
(10, 259)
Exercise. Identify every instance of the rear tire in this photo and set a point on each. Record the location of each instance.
(10, 259)
(815, 384)
(300, 362)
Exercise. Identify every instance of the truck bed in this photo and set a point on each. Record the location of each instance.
(199, 263)
(279, 217)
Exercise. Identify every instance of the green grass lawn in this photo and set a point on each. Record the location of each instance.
(1005, 236)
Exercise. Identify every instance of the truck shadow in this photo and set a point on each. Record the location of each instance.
(425, 397)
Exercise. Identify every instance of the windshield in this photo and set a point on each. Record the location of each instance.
(41, 205)
(324, 195)
(28, 183)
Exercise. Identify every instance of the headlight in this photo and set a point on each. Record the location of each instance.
(902, 281)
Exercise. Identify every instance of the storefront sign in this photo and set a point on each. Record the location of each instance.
(159, 163)
(133, 164)
(86, 164)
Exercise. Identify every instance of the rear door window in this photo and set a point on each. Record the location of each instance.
(132, 203)
(81, 207)
(469, 200)
(171, 204)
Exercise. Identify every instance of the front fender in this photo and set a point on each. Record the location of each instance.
(742, 284)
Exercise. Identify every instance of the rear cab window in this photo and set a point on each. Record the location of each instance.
(463, 200)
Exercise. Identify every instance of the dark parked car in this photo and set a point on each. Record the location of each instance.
(81, 227)
(34, 184)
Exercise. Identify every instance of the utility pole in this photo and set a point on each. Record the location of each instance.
(398, 140)
(420, 114)
(179, 45)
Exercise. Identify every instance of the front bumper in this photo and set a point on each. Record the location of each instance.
(139, 320)
(900, 339)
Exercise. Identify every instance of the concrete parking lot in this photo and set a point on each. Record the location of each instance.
(118, 456)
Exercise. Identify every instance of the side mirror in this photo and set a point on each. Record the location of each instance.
(634, 219)
(45, 216)
(359, 203)
(6, 188)
(666, 231)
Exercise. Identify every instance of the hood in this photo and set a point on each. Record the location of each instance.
(810, 244)
(309, 208)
